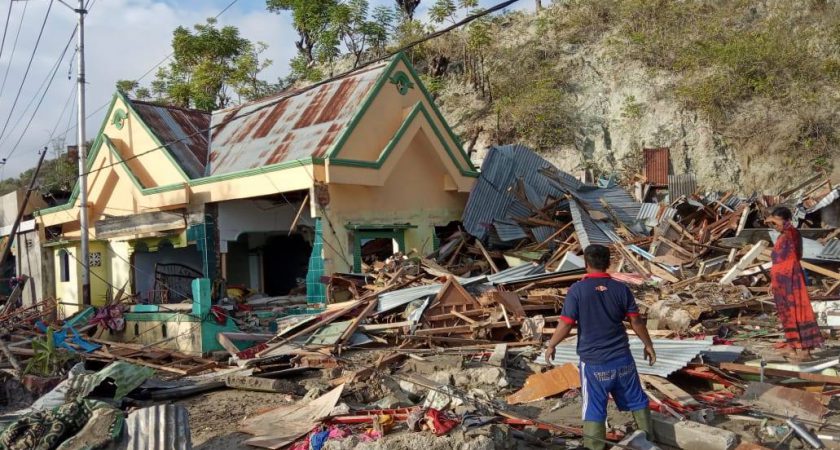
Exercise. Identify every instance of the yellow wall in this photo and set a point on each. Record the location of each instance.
(384, 116)
(414, 192)
(99, 274)
(181, 336)
(119, 255)
(67, 292)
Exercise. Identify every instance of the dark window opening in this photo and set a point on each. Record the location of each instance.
(376, 249)
(64, 262)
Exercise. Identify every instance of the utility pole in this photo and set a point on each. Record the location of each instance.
(21, 209)
(83, 198)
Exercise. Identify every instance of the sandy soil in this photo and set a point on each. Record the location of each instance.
(215, 417)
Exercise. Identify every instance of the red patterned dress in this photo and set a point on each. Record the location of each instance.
(790, 293)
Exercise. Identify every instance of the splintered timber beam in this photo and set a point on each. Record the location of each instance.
(745, 261)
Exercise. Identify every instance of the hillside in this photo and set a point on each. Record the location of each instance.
(745, 93)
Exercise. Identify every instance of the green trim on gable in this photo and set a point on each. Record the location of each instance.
(419, 108)
(94, 152)
(257, 171)
(385, 77)
(154, 136)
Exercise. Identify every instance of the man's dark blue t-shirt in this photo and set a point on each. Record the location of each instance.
(599, 305)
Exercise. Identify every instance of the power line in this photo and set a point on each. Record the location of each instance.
(6, 28)
(306, 89)
(67, 104)
(14, 47)
(41, 100)
(48, 83)
(26, 73)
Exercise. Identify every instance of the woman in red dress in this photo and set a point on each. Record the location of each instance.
(793, 305)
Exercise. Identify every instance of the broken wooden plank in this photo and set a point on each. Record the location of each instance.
(670, 390)
(787, 401)
(489, 259)
(510, 300)
(752, 370)
(745, 261)
(546, 384)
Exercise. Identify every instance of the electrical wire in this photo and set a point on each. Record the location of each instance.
(14, 47)
(51, 78)
(6, 28)
(26, 72)
(306, 89)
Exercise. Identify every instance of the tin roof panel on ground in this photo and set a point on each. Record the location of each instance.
(183, 132)
(587, 231)
(159, 427)
(514, 274)
(289, 127)
(671, 355)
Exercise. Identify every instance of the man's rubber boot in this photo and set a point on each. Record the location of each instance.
(598, 433)
(644, 422)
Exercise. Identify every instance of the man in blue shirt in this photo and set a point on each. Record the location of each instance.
(599, 305)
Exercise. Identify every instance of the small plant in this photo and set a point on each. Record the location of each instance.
(632, 109)
(48, 360)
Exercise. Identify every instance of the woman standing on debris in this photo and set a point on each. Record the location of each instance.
(793, 305)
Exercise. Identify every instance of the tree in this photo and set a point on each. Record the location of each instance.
(208, 63)
(311, 19)
(407, 8)
(380, 28)
(444, 10)
(127, 86)
(350, 21)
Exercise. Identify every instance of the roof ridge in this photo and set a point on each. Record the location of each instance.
(180, 108)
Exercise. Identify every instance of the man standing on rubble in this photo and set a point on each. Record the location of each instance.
(599, 305)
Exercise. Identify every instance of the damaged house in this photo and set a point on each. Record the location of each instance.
(269, 195)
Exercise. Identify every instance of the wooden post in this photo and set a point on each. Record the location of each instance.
(745, 261)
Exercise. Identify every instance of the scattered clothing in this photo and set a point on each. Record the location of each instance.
(793, 304)
(439, 422)
(110, 317)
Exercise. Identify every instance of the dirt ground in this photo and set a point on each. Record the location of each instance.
(215, 416)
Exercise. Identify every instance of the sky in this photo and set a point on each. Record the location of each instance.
(123, 40)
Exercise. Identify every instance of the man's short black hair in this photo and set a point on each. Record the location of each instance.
(597, 257)
(782, 212)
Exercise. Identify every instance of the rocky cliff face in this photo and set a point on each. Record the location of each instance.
(621, 105)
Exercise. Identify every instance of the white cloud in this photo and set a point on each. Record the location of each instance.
(123, 39)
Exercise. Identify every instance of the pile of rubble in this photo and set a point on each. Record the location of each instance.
(445, 350)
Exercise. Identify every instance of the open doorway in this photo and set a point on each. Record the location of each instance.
(285, 263)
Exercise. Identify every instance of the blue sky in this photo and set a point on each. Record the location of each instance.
(124, 39)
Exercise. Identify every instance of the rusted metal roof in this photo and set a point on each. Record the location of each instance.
(183, 131)
(288, 127)
(657, 161)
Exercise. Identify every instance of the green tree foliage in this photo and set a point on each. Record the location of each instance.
(311, 19)
(210, 65)
(446, 10)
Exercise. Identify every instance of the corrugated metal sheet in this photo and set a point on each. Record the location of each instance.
(395, 299)
(671, 355)
(831, 250)
(184, 131)
(648, 212)
(287, 127)
(125, 376)
(541, 234)
(508, 230)
(516, 273)
(159, 427)
(657, 163)
(587, 231)
(491, 198)
(679, 185)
